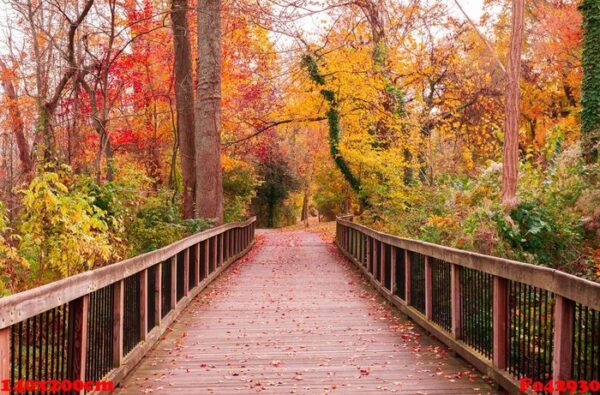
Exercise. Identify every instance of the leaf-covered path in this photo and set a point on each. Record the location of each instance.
(294, 317)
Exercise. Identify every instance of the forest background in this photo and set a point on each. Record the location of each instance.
(397, 111)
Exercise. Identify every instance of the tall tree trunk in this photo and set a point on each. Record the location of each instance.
(16, 122)
(209, 177)
(305, 202)
(184, 94)
(590, 87)
(512, 112)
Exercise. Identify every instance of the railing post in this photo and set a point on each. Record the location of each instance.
(186, 271)
(144, 304)
(382, 263)
(225, 246)
(375, 259)
(206, 257)
(5, 354)
(350, 241)
(393, 270)
(428, 289)
(346, 238)
(369, 247)
(456, 298)
(499, 320)
(221, 250)
(197, 263)
(407, 277)
(173, 280)
(158, 294)
(78, 309)
(215, 252)
(118, 310)
(360, 253)
(564, 316)
(229, 244)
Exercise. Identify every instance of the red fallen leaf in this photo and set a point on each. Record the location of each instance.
(202, 365)
(365, 372)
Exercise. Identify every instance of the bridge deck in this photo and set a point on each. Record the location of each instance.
(294, 317)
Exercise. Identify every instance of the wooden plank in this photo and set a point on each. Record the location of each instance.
(481, 363)
(499, 314)
(29, 303)
(186, 272)
(428, 289)
(144, 304)
(118, 311)
(4, 354)
(456, 300)
(572, 287)
(133, 358)
(332, 338)
(564, 316)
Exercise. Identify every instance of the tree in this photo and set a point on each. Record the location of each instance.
(590, 87)
(184, 96)
(16, 120)
(277, 182)
(512, 112)
(49, 102)
(209, 177)
(333, 119)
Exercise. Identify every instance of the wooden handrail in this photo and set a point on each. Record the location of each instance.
(23, 305)
(97, 325)
(523, 312)
(572, 287)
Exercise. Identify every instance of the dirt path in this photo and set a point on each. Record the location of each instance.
(295, 317)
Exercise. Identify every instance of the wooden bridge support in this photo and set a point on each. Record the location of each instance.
(500, 314)
(4, 354)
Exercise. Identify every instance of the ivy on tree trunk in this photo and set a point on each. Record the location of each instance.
(590, 87)
(333, 119)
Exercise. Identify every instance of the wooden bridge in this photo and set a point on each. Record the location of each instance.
(224, 312)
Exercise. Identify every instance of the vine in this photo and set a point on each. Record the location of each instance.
(590, 86)
(333, 120)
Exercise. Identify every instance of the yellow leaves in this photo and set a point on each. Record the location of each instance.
(61, 228)
(440, 222)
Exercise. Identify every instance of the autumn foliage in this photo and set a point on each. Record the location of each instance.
(392, 110)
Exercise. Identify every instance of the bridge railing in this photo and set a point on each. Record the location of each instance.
(511, 320)
(97, 325)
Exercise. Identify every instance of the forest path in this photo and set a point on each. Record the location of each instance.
(294, 316)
